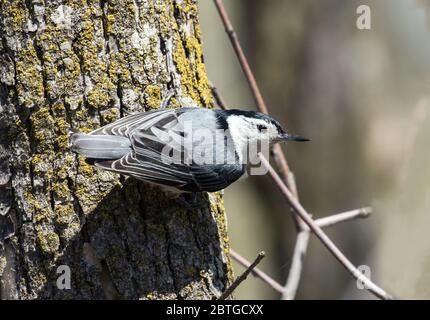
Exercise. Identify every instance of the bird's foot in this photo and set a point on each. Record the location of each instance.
(167, 99)
(193, 201)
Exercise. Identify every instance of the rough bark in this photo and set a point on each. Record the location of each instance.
(81, 64)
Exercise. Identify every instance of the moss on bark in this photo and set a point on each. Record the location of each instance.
(79, 64)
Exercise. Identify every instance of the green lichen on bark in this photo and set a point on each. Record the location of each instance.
(80, 64)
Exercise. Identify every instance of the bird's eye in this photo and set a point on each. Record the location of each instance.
(261, 127)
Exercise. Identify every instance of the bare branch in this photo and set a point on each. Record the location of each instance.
(242, 277)
(301, 246)
(290, 289)
(257, 272)
(344, 216)
(299, 210)
(218, 98)
(241, 56)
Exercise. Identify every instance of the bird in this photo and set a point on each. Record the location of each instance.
(151, 146)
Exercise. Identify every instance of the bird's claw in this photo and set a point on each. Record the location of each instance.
(195, 202)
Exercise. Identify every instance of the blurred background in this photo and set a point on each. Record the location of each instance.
(363, 97)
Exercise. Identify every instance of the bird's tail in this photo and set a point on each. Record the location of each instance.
(100, 146)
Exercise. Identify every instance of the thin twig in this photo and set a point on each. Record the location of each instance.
(299, 210)
(344, 216)
(218, 98)
(241, 56)
(242, 277)
(257, 272)
(294, 275)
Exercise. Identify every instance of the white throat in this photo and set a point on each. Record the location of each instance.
(240, 130)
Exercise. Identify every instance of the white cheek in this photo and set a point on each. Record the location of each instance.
(259, 139)
(239, 130)
(274, 136)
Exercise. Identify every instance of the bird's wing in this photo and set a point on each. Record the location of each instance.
(125, 126)
(151, 137)
(191, 178)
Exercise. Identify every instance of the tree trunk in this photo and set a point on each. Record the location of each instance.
(81, 64)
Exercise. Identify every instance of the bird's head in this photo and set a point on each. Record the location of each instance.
(254, 126)
(252, 131)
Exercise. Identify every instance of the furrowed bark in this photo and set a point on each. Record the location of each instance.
(80, 65)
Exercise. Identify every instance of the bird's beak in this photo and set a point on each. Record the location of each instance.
(293, 137)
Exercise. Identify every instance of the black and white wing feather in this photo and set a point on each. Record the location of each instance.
(151, 133)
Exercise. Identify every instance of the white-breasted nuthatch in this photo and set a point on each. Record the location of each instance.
(185, 149)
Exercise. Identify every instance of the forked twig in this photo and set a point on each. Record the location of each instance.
(289, 290)
(242, 277)
(301, 246)
(299, 210)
